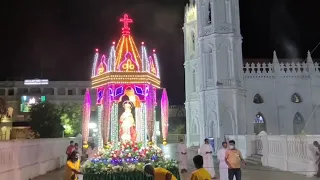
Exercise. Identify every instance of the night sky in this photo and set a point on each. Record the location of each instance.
(55, 39)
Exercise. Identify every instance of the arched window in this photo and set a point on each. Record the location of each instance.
(194, 80)
(257, 99)
(298, 123)
(209, 13)
(259, 119)
(180, 113)
(259, 123)
(193, 41)
(295, 98)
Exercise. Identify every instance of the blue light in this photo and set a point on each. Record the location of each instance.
(138, 90)
(111, 92)
(119, 91)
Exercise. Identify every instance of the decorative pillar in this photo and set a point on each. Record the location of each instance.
(99, 125)
(150, 113)
(114, 123)
(143, 123)
(106, 116)
(164, 115)
(86, 118)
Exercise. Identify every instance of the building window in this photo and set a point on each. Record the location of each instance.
(209, 13)
(2, 92)
(70, 92)
(298, 123)
(259, 123)
(180, 113)
(35, 90)
(257, 99)
(295, 98)
(259, 119)
(83, 91)
(61, 91)
(10, 92)
(48, 91)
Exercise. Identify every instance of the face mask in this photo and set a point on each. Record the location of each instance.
(231, 147)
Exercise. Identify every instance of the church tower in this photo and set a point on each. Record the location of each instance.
(215, 102)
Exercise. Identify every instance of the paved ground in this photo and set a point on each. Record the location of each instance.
(249, 173)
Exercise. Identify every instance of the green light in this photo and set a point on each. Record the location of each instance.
(43, 98)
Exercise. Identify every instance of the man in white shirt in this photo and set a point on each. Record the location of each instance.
(206, 151)
(183, 157)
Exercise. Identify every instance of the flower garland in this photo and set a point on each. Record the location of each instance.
(126, 157)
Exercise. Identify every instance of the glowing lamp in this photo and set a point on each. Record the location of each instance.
(92, 125)
(154, 50)
(142, 43)
(164, 142)
(97, 49)
(113, 42)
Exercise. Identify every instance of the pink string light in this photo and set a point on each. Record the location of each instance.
(86, 117)
(150, 112)
(164, 115)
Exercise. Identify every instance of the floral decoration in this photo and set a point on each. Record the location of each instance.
(126, 157)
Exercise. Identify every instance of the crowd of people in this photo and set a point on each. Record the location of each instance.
(74, 159)
(229, 157)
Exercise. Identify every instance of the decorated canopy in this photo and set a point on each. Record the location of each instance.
(126, 64)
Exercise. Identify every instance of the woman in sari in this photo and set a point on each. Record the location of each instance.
(72, 167)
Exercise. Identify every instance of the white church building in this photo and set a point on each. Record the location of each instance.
(224, 96)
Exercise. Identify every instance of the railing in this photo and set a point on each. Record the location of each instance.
(285, 152)
(172, 138)
(259, 145)
(26, 159)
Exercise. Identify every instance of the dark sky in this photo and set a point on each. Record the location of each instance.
(61, 35)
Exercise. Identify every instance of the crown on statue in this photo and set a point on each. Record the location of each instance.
(127, 104)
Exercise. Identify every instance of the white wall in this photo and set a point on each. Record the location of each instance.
(26, 159)
(276, 88)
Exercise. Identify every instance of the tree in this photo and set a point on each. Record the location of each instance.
(45, 120)
(71, 118)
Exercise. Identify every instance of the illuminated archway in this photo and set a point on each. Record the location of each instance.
(259, 123)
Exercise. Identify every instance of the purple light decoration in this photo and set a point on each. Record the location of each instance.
(100, 93)
(86, 117)
(164, 115)
(106, 116)
(150, 112)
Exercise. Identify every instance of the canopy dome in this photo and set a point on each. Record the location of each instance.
(125, 63)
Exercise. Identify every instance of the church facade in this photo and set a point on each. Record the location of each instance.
(226, 96)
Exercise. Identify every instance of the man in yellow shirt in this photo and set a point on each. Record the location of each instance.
(233, 160)
(72, 167)
(158, 173)
(201, 173)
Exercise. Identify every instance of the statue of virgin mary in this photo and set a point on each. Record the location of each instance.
(127, 124)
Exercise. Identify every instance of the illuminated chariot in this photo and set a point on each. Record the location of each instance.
(126, 81)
